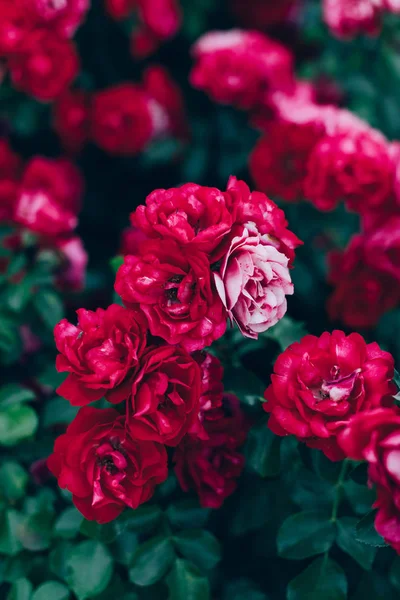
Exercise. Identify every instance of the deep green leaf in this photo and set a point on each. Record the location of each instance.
(360, 474)
(242, 589)
(49, 307)
(89, 569)
(244, 384)
(17, 422)
(346, 540)
(21, 590)
(116, 262)
(142, 520)
(51, 590)
(187, 513)
(262, 451)
(68, 523)
(185, 582)
(58, 559)
(200, 547)
(57, 412)
(394, 573)
(286, 331)
(13, 481)
(15, 394)
(323, 579)
(366, 532)
(305, 534)
(35, 530)
(103, 533)
(151, 561)
(10, 522)
(10, 340)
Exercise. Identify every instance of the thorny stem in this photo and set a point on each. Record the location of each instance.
(339, 487)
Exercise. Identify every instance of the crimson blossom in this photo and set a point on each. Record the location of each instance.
(103, 467)
(374, 436)
(211, 467)
(318, 384)
(99, 354)
(240, 67)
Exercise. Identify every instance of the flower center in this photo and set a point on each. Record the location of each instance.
(338, 388)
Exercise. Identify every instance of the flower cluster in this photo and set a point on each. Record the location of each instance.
(198, 256)
(335, 393)
(123, 119)
(348, 18)
(36, 46)
(262, 14)
(208, 256)
(159, 21)
(43, 197)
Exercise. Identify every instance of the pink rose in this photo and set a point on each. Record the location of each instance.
(252, 282)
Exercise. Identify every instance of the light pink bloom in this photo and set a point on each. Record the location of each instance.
(253, 283)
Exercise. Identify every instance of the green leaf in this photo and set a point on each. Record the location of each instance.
(187, 513)
(116, 262)
(68, 523)
(34, 531)
(262, 451)
(394, 573)
(200, 547)
(244, 384)
(89, 569)
(17, 422)
(142, 520)
(13, 480)
(49, 307)
(323, 579)
(360, 474)
(151, 561)
(58, 411)
(285, 332)
(9, 524)
(366, 532)
(10, 340)
(58, 559)
(347, 542)
(305, 534)
(242, 589)
(15, 394)
(21, 590)
(185, 582)
(51, 590)
(103, 533)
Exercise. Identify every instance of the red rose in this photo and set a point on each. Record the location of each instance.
(375, 437)
(319, 383)
(122, 121)
(355, 167)
(61, 16)
(382, 248)
(100, 354)
(10, 162)
(278, 163)
(362, 294)
(14, 26)
(131, 240)
(348, 18)
(44, 65)
(163, 90)
(119, 9)
(71, 119)
(49, 196)
(261, 14)
(165, 395)
(161, 17)
(212, 389)
(103, 467)
(191, 213)
(174, 289)
(211, 467)
(73, 270)
(239, 67)
(262, 216)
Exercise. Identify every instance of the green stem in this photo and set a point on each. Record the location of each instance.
(339, 487)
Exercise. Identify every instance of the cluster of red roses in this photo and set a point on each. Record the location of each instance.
(204, 255)
(122, 119)
(335, 393)
(159, 21)
(348, 18)
(316, 151)
(43, 196)
(35, 43)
